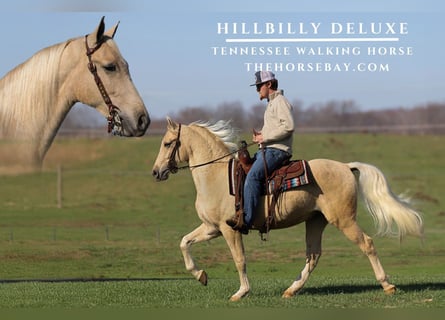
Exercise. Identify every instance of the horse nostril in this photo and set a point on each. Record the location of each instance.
(143, 123)
(154, 173)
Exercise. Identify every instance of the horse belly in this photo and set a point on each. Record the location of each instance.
(294, 207)
(297, 205)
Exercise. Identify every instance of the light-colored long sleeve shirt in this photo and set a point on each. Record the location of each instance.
(278, 124)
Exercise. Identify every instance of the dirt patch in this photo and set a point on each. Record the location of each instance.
(336, 143)
(48, 256)
(72, 152)
(66, 152)
(425, 197)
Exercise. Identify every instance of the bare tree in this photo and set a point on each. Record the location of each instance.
(430, 117)
(191, 114)
(82, 116)
(233, 111)
(256, 117)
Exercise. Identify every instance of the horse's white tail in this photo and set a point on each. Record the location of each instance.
(392, 215)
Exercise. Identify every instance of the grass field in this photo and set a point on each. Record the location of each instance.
(115, 240)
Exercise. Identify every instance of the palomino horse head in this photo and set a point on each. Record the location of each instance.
(109, 87)
(182, 142)
(36, 96)
(168, 155)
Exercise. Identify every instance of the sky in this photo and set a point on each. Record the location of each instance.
(378, 53)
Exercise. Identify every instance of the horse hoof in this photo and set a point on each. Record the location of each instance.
(235, 298)
(390, 290)
(203, 278)
(287, 294)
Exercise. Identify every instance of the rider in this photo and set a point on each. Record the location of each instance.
(275, 143)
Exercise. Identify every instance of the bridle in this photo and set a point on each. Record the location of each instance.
(114, 120)
(172, 166)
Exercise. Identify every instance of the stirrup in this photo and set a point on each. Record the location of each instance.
(238, 223)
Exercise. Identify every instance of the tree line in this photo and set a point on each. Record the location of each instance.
(331, 116)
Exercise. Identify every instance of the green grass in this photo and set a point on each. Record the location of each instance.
(323, 292)
(119, 227)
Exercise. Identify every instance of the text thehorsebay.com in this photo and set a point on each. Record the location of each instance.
(313, 46)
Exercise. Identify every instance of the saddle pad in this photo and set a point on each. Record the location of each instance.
(289, 179)
(300, 167)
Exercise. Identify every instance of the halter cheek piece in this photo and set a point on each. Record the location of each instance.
(172, 165)
(114, 120)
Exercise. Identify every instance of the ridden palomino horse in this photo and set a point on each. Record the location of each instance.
(36, 96)
(330, 198)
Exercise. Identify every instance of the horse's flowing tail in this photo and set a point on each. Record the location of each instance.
(392, 215)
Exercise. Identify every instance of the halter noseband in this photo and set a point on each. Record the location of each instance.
(114, 120)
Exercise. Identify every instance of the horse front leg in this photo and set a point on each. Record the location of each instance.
(234, 240)
(202, 233)
(314, 231)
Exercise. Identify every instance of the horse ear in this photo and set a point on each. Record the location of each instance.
(112, 31)
(99, 32)
(171, 124)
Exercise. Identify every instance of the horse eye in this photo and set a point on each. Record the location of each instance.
(167, 144)
(110, 67)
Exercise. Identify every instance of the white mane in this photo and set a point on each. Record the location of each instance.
(20, 87)
(223, 130)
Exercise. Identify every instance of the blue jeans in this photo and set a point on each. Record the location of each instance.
(256, 178)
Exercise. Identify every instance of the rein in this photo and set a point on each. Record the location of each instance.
(172, 163)
(114, 120)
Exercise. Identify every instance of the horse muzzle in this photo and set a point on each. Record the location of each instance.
(135, 128)
(160, 175)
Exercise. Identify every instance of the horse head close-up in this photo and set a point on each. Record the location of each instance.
(36, 96)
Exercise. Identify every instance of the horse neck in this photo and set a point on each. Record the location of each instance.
(202, 148)
(31, 109)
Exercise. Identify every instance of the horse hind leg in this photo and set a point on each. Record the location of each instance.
(366, 245)
(314, 230)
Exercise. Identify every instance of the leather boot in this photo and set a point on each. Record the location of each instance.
(237, 223)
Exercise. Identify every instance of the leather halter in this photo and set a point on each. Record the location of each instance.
(114, 120)
(172, 165)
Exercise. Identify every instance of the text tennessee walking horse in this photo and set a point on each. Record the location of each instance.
(330, 198)
(36, 95)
